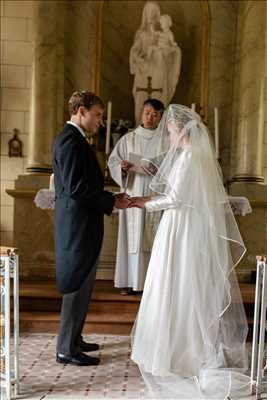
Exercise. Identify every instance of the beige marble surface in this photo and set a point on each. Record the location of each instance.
(47, 80)
(254, 232)
(253, 227)
(33, 235)
(80, 38)
(33, 228)
(223, 15)
(249, 89)
(34, 232)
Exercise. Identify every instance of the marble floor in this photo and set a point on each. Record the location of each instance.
(41, 378)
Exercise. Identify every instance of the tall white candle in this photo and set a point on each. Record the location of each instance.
(109, 109)
(216, 130)
(193, 106)
(51, 182)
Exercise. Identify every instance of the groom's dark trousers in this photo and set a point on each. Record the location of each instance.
(72, 320)
(81, 203)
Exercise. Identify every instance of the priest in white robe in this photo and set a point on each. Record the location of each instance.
(136, 226)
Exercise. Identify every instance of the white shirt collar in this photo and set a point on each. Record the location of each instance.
(146, 133)
(78, 127)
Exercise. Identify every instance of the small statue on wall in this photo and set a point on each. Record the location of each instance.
(15, 145)
(155, 59)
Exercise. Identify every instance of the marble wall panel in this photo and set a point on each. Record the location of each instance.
(80, 44)
(223, 25)
(10, 167)
(6, 217)
(16, 60)
(15, 8)
(14, 29)
(119, 27)
(11, 120)
(13, 76)
(14, 53)
(15, 99)
(249, 89)
(5, 199)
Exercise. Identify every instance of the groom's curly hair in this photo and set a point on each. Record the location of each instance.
(83, 98)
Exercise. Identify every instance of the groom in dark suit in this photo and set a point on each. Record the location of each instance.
(81, 203)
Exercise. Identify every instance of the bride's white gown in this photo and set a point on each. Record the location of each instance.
(191, 325)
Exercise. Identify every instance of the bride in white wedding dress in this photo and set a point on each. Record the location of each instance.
(189, 339)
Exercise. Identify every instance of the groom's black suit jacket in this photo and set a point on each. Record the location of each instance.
(80, 206)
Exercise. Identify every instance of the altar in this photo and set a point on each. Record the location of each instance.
(43, 202)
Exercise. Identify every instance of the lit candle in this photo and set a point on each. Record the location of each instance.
(51, 182)
(216, 129)
(108, 132)
(193, 106)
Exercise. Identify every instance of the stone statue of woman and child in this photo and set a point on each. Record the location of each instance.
(155, 57)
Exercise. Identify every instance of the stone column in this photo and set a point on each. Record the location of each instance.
(248, 129)
(33, 227)
(47, 88)
(249, 92)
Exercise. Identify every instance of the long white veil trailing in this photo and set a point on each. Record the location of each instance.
(213, 248)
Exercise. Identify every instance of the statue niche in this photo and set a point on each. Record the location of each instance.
(181, 32)
(155, 59)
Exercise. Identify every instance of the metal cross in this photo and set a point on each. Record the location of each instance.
(149, 90)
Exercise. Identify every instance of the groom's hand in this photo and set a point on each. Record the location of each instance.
(122, 200)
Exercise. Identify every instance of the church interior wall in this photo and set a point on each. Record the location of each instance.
(223, 26)
(16, 70)
(80, 46)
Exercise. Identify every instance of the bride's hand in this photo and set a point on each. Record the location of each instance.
(139, 202)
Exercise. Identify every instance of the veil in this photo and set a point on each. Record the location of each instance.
(214, 247)
(201, 183)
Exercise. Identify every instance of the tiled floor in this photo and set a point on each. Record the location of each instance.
(117, 377)
(42, 378)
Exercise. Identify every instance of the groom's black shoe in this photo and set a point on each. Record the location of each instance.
(86, 347)
(79, 359)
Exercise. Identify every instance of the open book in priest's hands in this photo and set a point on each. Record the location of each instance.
(145, 166)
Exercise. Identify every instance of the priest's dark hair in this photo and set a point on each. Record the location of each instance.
(155, 103)
(83, 98)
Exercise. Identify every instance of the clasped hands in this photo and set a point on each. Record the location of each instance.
(123, 200)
